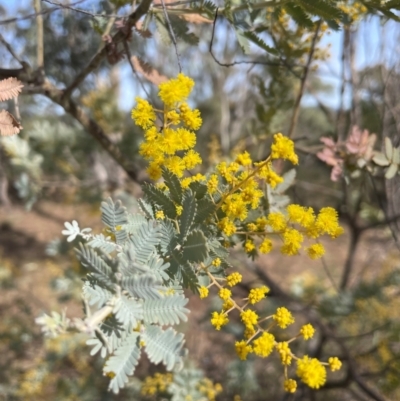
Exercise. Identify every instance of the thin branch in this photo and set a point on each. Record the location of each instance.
(10, 49)
(79, 10)
(95, 62)
(296, 110)
(381, 223)
(129, 56)
(39, 36)
(272, 63)
(354, 239)
(172, 33)
(328, 273)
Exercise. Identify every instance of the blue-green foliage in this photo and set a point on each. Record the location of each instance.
(137, 273)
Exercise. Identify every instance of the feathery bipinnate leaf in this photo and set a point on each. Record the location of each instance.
(198, 189)
(145, 240)
(134, 222)
(167, 236)
(173, 184)
(8, 124)
(98, 344)
(9, 88)
(299, 15)
(144, 287)
(188, 215)
(96, 294)
(113, 215)
(159, 198)
(128, 311)
(158, 267)
(259, 42)
(123, 363)
(168, 310)
(146, 208)
(163, 346)
(205, 208)
(103, 243)
(195, 248)
(101, 271)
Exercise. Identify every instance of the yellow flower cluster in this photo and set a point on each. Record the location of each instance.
(257, 294)
(156, 384)
(176, 135)
(261, 342)
(311, 225)
(233, 279)
(209, 389)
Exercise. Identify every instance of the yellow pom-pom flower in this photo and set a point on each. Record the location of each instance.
(203, 291)
(283, 317)
(224, 294)
(219, 319)
(249, 317)
(284, 352)
(233, 279)
(175, 90)
(311, 372)
(264, 344)
(243, 349)
(283, 148)
(334, 363)
(160, 215)
(316, 251)
(143, 114)
(307, 331)
(265, 246)
(290, 385)
(249, 246)
(257, 294)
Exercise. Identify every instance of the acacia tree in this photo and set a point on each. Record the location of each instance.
(280, 41)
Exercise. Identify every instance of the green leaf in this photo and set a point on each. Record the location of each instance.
(198, 189)
(181, 31)
(144, 286)
(168, 310)
(158, 197)
(146, 208)
(195, 248)
(145, 240)
(324, 9)
(188, 215)
(299, 16)
(163, 346)
(163, 30)
(96, 294)
(103, 243)
(123, 363)
(101, 271)
(113, 214)
(189, 278)
(205, 208)
(243, 42)
(128, 311)
(173, 184)
(259, 42)
(167, 236)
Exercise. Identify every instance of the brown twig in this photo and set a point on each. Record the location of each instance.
(39, 37)
(172, 33)
(10, 49)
